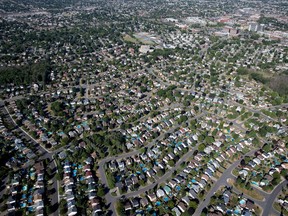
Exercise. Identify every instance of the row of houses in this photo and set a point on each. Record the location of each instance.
(23, 197)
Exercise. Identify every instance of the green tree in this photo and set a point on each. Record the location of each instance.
(120, 209)
(209, 139)
(170, 204)
(276, 178)
(171, 163)
(193, 204)
(201, 147)
(267, 147)
(101, 191)
(111, 180)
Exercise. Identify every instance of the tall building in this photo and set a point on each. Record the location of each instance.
(255, 27)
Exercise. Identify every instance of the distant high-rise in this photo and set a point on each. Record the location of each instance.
(261, 28)
(255, 27)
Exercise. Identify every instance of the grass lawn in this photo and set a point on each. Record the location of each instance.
(218, 174)
(235, 172)
(227, 164)
(279, 208)
(252, 193)
(245, 150)
(258, 210)
(221, 169)
(130, 39)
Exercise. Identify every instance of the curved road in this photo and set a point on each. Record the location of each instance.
(269, 210)
(222, 181)
(42, 151)
(266, 204)
(112, 199)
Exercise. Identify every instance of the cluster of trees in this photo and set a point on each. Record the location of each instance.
(6, 154)
(266, 129)
(57, 107)
(271, 21)
(242, 71)
(113, 141)
(258, 77)
(279, 84)
(37, 72)
(167, 93)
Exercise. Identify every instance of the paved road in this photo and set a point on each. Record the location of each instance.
(269, 210)
(111, 199)
(45, 153)
(258, 110)
(165, 177)
(222, 181)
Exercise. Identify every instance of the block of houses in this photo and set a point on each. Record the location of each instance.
(176, 211)
(160, 193)
(152, 197)
(135, 202)
(144, 202)
(181, 206)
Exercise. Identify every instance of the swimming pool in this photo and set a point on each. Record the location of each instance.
(23, 205)
(178, 188)
(30, 208)
(242, 202)
(237, 211)
(149, 208)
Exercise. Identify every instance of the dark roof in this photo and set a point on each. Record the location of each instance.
(250, 204)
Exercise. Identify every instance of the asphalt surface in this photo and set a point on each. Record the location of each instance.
(40, 150)
(266, 205)
(270, 198)
(222, 181)
(111, 200)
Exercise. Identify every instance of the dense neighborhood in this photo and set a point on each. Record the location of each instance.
(143, 108)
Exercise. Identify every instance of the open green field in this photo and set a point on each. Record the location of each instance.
(129, 38)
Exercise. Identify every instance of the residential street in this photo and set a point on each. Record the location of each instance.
(111, 199)
(222, 181)
(40, 150)
(270, 198)
(143, 107)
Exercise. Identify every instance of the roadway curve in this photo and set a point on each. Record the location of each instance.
(269, 210)
(222, 181)
(112, 199)
(45, 153)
